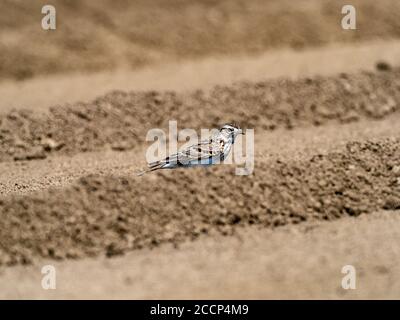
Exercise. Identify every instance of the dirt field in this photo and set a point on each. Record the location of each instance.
(325, 191)
(108, 34)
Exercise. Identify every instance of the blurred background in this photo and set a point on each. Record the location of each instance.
(111, 34)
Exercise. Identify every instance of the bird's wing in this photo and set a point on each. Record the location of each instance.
(203, 150)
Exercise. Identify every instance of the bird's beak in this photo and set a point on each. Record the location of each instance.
(241, 132)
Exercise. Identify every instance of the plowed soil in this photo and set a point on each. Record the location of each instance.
(109, 34)
(120, 120)
(110, 215)
(325, 191)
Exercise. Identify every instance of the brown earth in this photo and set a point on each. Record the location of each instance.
(43, 92)
(111, 215)
(295, 261)
(306, 174)
(109, 34)
(119, 120)
(325, 191)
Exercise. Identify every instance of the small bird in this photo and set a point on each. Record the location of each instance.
(205, 153)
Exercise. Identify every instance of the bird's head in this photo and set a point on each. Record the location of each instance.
(231, 131)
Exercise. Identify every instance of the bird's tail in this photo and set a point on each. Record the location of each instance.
(152, 166)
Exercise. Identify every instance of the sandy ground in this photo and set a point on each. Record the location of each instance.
(293, 261)
(46, 91)
(29, 176)
(107, 34)
(302, 262)
(326, 187)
